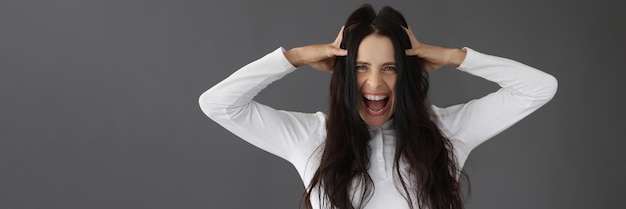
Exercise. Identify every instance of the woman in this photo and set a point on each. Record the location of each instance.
(382, 145)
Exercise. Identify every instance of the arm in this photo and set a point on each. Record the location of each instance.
(524, 90)
(230, 103)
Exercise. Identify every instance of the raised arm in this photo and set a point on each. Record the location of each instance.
(231, 103)
(524, 90)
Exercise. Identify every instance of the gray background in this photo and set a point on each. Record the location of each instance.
(99, 99)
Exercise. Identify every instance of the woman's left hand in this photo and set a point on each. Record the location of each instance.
(436, 57)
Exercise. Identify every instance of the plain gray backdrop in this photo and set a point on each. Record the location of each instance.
(99, 99)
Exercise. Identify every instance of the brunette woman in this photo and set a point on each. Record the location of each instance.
(382, 144)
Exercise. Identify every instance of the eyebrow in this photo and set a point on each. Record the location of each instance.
(367, 63)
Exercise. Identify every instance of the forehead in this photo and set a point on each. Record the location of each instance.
(375, 49)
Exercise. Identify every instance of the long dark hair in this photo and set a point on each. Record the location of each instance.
(424, 164)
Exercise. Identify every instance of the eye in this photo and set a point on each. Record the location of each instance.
(361, 67)
(390, 68)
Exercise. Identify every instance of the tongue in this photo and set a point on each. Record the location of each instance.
(375, 105)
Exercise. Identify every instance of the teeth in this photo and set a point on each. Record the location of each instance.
(375, 97)
(376, 111)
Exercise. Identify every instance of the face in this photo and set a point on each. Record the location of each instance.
(376, 76)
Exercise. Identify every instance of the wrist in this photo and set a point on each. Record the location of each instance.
(293, 57)
(456, 57)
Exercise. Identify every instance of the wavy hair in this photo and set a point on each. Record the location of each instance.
(425, 168)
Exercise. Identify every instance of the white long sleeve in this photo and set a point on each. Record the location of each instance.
(524, 90)
(295, 136)
(230, 103)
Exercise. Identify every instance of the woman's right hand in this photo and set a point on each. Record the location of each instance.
(318, 56)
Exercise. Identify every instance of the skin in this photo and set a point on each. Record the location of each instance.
(376, 78)
(376, 75)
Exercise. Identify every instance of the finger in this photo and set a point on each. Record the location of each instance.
(411, 52)
(340, 52)
(339, 38)
(332, 51)
(414, 42)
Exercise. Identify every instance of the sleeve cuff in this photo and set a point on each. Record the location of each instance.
(280, 56)
(469, 59)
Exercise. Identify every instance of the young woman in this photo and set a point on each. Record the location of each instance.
(382, 145)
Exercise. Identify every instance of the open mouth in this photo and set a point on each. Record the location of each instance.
(375, 105)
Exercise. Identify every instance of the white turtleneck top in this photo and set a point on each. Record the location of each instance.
(296, 136)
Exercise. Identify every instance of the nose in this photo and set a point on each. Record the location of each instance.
(374, 80)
